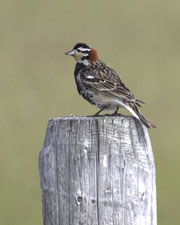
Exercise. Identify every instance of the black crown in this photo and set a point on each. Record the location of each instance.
(83, 45)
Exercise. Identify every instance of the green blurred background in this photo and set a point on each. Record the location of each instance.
(139, 38)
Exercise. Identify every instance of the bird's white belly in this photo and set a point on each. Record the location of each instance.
(104, 100)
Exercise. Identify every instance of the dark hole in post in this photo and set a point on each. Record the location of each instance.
(78, 199)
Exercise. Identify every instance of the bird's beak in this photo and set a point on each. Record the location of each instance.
(70, 52)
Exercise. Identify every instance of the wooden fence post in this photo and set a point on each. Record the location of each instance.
(97, 171)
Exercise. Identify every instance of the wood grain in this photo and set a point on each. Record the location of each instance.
(97, 171)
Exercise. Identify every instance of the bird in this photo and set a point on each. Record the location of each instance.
(101, 86)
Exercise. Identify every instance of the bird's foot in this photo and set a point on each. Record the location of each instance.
(113, 114)
(94, 115)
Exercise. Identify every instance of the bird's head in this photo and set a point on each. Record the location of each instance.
(83, 53)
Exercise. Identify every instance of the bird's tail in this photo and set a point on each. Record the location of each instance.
(139, 102)
(135, 112)
(146, 121)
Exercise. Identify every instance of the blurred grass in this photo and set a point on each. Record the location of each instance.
(140, 39)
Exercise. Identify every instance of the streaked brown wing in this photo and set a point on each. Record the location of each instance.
(107, 81)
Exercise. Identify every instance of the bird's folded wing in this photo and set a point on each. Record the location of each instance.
(107, 84)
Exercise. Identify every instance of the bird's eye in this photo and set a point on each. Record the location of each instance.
(78, 50)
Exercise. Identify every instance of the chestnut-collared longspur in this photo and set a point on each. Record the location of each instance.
(100, 85)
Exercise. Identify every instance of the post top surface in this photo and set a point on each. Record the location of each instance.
(72, 117)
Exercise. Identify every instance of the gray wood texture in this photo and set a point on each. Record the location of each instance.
(97, 171)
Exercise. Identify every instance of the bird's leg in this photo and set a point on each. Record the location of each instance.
(115, 112)
(96, 114)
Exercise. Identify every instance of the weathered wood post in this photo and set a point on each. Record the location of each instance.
(97, 171)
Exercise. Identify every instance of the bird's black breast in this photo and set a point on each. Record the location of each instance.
(78, 68)
(82, 90)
